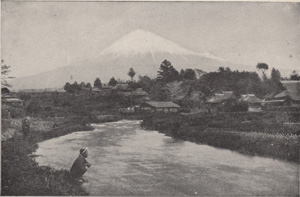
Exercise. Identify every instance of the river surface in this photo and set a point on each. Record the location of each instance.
(127, 160)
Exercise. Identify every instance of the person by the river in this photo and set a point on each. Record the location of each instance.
(80, 165)
(25, 127)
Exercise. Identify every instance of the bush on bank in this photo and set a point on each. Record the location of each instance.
(278, 141)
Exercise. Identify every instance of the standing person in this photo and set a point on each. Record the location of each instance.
(80, 165)
(25, 127)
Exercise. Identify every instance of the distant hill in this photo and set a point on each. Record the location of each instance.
(141, 50)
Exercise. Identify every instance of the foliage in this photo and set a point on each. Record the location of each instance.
(73, 88)
(167, 73)
(232, 105)
(263, 67)
(146, 82)
(97, 83)
(21, 175)
(88, 85)
(294, 76)
(5, 70)
(159, 92)
(33, 107)
(187, 74)
(275, 75)
(131, 73)
(255, 141)
(112, 82)
(133, 85)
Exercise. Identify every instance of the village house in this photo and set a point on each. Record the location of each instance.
(288, 97)
(254, 103)
(160, 106)
(11, 101)
(138, 95)
(121, 87)
(218, 100)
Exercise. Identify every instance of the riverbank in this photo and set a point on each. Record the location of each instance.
(246, 133)
(21, 175)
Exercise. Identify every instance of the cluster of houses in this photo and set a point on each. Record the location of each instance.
(141, 101)
(289, 97)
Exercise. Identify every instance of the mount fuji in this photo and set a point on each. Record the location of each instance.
(142, 50)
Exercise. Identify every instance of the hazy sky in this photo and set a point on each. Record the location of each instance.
(40, 36)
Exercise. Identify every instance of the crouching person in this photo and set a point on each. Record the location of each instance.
(80, 165)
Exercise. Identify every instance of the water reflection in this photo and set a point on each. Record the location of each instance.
(130, 161)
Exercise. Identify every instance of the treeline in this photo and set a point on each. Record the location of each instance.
(224, 79)
(75, 87)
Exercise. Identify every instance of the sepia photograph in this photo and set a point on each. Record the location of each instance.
(150, 98)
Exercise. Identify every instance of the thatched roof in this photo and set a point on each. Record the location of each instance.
(162, 104)
(292, 90)
(217, 98)
(251, 98)
(137, 92)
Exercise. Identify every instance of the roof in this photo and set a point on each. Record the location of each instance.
(13, 100)
(123, 86)
(292, 90)
(162, 104)
(251, 98)
(137, 92)
(221, 97)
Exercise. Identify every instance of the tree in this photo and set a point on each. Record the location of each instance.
(167, 72)
(294, 76)
(146, 82)
(159, 92)
(67, 87)
(97, 83)
(189, 74)
(275, 75)
(5, 70)
(112, 82)
(131, 73)
(88, 85)
(74, 87)
(263, 67)
(199, 73)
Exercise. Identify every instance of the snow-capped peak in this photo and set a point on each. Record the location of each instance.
(141, 42)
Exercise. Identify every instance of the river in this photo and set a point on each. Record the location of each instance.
(127, 160)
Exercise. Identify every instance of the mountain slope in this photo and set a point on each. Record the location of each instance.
(141, 50)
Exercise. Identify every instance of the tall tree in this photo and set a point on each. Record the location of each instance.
(263, 67)
(131, 73)
(112, 82)
(97, 83)
(275, 75)
(167, 73)
(5, 70)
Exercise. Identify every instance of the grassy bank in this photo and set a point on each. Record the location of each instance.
(248, 135)
(21, 175)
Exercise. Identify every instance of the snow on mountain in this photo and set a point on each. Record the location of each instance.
(141, 50)
(142, 42)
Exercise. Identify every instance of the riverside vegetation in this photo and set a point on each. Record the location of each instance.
(247, 133)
